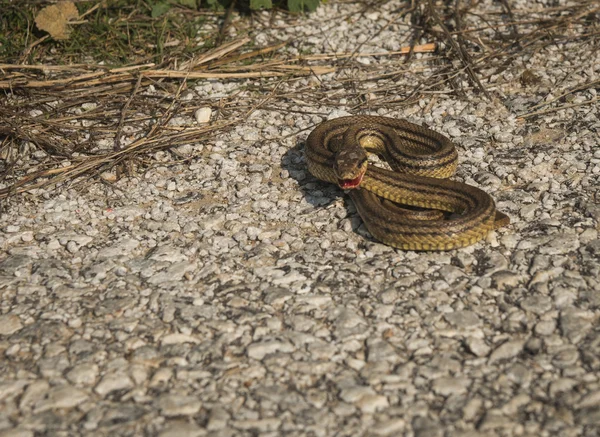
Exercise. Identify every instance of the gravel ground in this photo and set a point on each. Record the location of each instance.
(232, 294)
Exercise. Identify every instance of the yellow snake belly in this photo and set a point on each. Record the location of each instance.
(421, 161)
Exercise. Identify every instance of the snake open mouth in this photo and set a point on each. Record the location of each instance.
(348, 184)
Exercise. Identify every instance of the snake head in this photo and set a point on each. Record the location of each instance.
(350, 167)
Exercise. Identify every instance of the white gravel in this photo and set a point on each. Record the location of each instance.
(234, 294)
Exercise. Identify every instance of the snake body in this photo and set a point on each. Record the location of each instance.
(436, 213)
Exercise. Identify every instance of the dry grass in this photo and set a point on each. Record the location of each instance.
(65, 114)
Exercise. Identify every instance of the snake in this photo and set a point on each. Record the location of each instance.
(413, 205)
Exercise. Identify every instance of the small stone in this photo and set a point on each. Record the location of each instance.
(379, 350)
(575, 323)
(560, 244)
(495, 262)
(545, 327)
(515, 405)
(258, 425)
(63, 397)
(454, 132)
(10, 390)
(478, 347)
(426, 427)
(121, 248)
(83, 374)
(537, 304)
(450, 386)
(506, 280)
(372, 403)
(178, 405)
(564, 297)
(561, 385)
(533, 345)
(113, 382)
(494, 419)
(218, 419)
(75, 323)
(185, 150)
(391, 427)
(503, 137)
(179, 429)
(161, 377)
(472, 409)
(109, 176)
(565, 357)
(72, 247)
(451, 273)
(35, 392)
(53, 245)
(9, 324)
(177, 338)
(259, 350)
(507, 350)
(203, 115)
(590, 400)
(462, 319)
(354, 394)
(519, 374)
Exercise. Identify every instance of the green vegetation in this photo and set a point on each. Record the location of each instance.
(119, 32)
(162, 6)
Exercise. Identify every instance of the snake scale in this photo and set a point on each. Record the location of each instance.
(413, 206)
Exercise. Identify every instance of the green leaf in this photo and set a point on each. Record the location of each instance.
(160, 8)
(301, 5)
(188, 3)
(215, 4)
(259, 4)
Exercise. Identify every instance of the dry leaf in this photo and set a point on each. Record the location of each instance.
(54, 19)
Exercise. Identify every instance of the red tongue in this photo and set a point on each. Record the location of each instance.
(348, 184)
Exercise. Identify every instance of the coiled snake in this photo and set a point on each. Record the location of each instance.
(436, 213)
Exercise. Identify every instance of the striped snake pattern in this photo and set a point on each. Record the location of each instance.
(413, 206)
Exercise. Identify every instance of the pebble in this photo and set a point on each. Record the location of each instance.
(503, 137)
(478, 347)
(258, 425)
(505, 280)
(122, 248)
(507, 350)
(180, 428)
(389, 427)
(173, 405)
(545, 327)
(113, 382)
(34, 393)
(450, 386)
(63, 397)
(259, 350)
(83, 374)
(574, 324)
(178, 339)
(370, 404)
(203, 115)
(9, 324)
(537, 304)
(463, 319)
